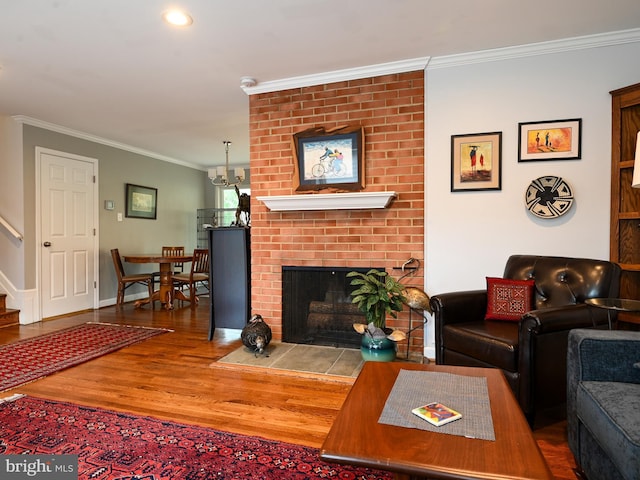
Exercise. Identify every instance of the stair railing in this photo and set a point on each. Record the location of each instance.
(11, 230)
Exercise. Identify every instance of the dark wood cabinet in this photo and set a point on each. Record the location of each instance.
(229, 277)
(625, 200)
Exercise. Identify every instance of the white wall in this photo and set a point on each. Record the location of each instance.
(469, 235)
(11, 194)
(12, 251)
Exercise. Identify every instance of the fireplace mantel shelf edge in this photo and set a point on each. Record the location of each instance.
(328, 201)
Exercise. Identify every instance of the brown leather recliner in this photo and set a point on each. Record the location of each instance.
(532, 351)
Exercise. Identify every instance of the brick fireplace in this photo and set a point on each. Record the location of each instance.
(391, 110)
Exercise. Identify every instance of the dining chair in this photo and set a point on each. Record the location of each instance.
(178, 267)
(199, 274)
(125, 281)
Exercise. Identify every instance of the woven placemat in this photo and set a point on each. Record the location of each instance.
(468, 395)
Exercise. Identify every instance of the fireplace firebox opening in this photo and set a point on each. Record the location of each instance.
(317, 308)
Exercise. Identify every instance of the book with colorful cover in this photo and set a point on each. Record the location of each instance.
(437, 413)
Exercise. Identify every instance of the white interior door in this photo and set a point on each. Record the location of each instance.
(67, 233)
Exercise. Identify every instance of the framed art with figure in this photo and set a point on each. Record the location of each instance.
(141, 201)
(550, 140)
(329, 159)
(476, 161)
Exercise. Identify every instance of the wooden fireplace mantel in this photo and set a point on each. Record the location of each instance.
(329, 201)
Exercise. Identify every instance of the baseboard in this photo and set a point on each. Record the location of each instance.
(24, 300)
(109, 302)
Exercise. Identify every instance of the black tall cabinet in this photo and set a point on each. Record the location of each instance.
(229, 277)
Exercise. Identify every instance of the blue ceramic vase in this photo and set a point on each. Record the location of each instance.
(379, 350)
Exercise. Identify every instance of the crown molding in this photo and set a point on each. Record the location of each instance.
(339, 76)
(541, 48)
(23, 119)
(430, 63)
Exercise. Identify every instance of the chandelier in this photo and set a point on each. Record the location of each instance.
(219, 176)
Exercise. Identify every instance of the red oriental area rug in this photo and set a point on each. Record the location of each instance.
(113, 445)
(30, 359)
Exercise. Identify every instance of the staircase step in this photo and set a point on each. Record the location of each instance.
(9, 317)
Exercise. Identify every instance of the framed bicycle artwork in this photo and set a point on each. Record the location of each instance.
(330, 159)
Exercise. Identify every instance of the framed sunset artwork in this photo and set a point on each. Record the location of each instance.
(550, 140)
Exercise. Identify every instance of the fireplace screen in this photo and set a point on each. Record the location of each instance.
(317, 308)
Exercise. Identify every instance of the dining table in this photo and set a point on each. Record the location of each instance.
(167, 293)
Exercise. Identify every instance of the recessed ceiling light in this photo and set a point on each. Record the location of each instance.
(177, 17)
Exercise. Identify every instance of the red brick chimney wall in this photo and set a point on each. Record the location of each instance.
(391, 110)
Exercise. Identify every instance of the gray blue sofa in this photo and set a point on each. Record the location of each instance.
(603, 403)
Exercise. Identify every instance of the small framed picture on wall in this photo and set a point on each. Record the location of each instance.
(141, 202)
(550, 140)
(476, 161)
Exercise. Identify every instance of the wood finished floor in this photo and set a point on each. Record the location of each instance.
(169, 377)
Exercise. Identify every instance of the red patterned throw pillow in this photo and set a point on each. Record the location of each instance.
(508, 299)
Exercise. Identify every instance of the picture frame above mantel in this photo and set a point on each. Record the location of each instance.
(329, 159)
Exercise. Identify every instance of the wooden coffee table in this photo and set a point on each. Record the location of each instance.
(357, 438)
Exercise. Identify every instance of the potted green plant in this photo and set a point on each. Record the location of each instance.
(377, 295)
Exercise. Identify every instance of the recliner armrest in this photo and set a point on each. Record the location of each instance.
(459, 307)
(542, 345)
(456, 307)
(567, 317)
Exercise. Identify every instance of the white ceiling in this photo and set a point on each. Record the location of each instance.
(112, 68)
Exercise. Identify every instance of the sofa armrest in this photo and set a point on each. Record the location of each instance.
(598, 355)
(604, 355)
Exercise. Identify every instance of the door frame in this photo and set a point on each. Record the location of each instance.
(96, 238)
